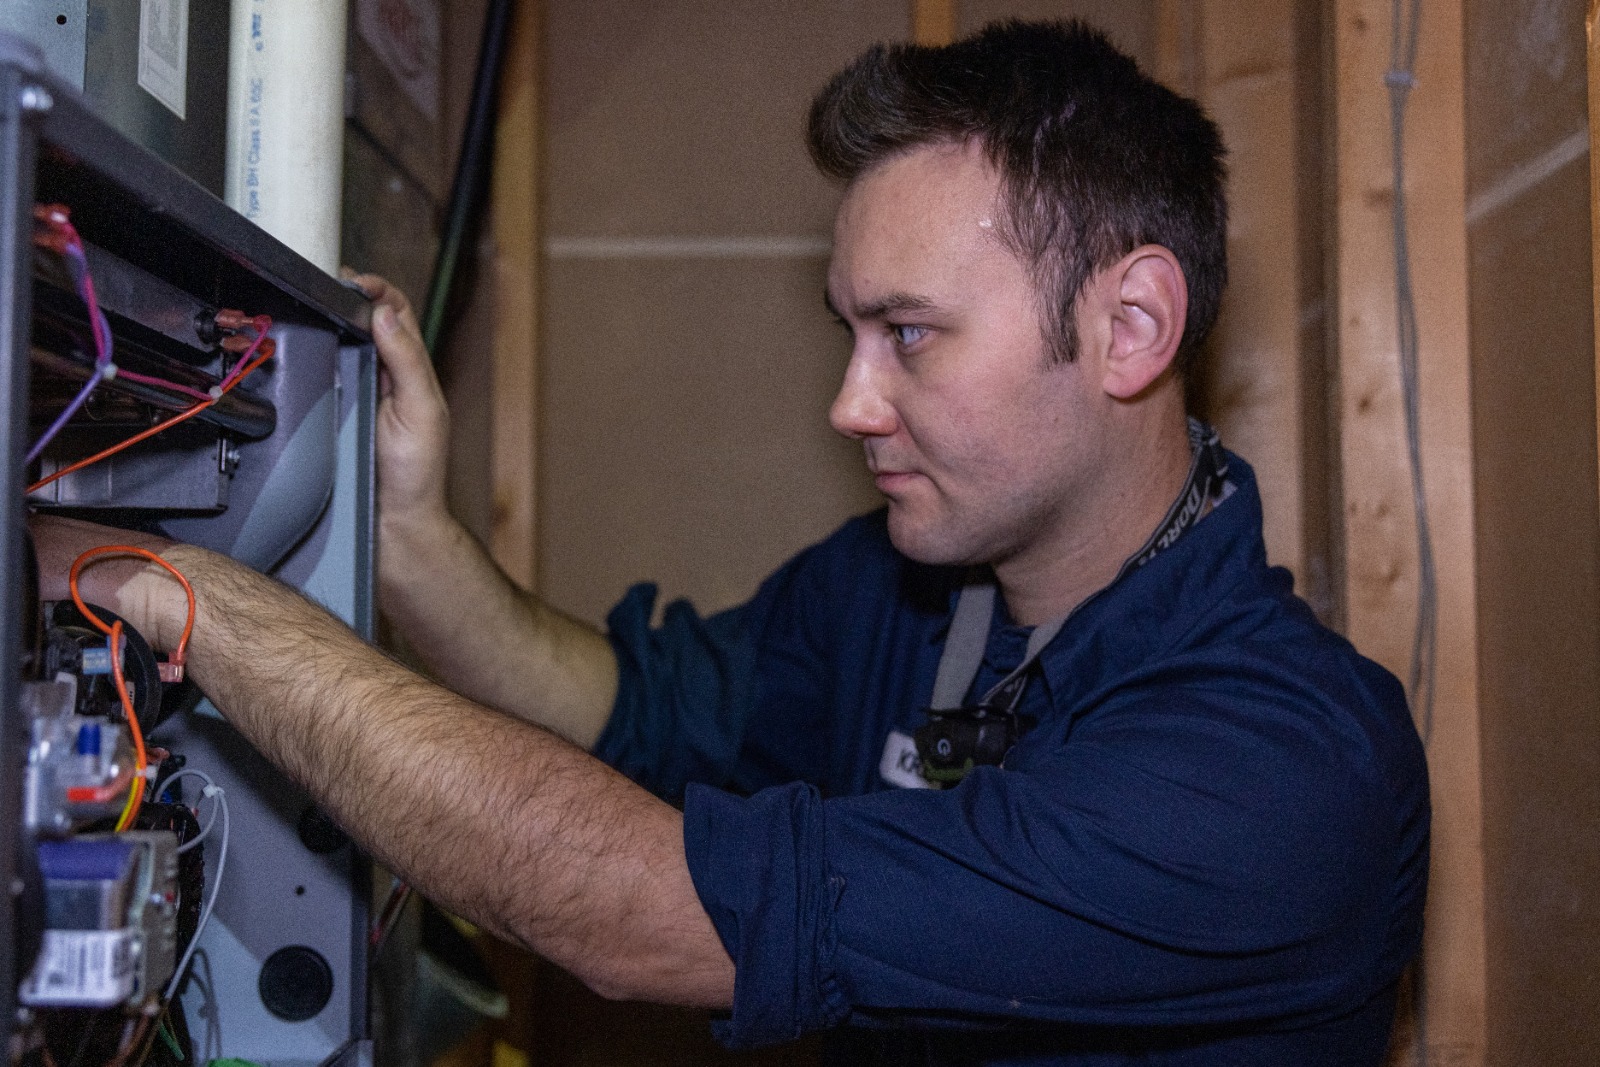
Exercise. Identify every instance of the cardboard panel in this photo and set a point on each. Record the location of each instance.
(688, 116)
(396, 65)
(1538, 544)
(1256, 369)
(1527, 91)
(684, 433)
(1539, 621)
(1130, 23)
(390, 225)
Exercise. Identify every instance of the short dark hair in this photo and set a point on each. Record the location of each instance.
(1095, 157)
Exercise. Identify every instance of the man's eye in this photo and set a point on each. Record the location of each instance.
(907, 336)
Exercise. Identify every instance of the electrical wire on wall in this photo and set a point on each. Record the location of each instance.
(1401, 78)
(1406, 20)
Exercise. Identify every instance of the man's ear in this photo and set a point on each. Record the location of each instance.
(1151, 305)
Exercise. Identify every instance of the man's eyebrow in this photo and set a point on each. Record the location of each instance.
(884, 305)
(827, 302)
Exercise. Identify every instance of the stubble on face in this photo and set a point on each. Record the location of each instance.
(974, 436)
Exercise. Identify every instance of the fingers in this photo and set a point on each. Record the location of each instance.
(403, 359)
(381, 292)
(413, 418)
(406, 370)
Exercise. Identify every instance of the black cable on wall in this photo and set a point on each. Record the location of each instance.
(472, 170)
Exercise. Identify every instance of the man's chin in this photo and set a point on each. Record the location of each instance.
(927, 542)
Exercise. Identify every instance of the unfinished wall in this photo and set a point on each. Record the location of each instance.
(687, 361)
(1538, 550)
(687, 366)
(1130, 23)
(1257, 67)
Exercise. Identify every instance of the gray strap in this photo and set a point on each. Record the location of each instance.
(1042, 635)
(964, 643)
(969, 626)
(967, 638)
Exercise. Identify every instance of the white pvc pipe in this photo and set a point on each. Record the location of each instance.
(286, 121)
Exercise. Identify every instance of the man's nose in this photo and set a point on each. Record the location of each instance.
(861, 409)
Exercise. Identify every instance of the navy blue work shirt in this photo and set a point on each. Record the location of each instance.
(1212, 849)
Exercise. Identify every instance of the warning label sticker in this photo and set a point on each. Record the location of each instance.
(83, 968)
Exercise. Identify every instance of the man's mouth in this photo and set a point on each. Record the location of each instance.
(891, 481)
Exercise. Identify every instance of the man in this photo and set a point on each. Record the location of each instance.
(1184, 824)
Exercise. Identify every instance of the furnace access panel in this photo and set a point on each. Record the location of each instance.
(169, 367)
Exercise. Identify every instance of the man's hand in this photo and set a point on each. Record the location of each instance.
(478, 632)
(413, 421)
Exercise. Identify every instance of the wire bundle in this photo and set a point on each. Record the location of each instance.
(216, 793)
(259, 351)
(113, 631)
(56, 232)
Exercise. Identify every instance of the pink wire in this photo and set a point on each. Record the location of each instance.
(145, 379)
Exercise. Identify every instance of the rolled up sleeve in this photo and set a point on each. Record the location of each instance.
(684, 693)
(1168, 869)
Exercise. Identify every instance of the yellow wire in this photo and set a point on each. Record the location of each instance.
(133, 797)
(136, 790)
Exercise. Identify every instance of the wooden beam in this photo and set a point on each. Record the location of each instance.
(515, 211)
(1594, 186)
(1244, 70)
(933, 22)
(1379, 536)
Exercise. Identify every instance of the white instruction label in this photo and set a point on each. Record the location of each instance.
(83, 968)
(164, 51)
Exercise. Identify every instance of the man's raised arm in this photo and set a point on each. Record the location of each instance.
(497, 819)
(480, 634)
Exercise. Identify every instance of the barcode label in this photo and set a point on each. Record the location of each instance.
(83, 968)
(164, 52)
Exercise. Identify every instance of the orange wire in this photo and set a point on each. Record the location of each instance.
(136, 790)
(267, 349)
(118, 677)
(86, 558)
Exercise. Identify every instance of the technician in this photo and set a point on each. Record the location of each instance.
(1040, 764)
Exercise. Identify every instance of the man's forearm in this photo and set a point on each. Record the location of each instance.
(499, 820)
(484, 637)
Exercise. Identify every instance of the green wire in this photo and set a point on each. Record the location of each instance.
(165, 1033)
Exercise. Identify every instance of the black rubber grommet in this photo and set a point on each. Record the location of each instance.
(296, 983)
(319, 833)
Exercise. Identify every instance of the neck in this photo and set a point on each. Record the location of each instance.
(1108, 524)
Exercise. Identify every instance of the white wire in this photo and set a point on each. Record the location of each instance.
(1401, 78)
(209, 1009)
(205, 831)
(206, 778)
(217, 792)
(1405, 24)
(186, 772)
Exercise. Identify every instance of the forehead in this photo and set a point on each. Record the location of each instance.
(924, 223)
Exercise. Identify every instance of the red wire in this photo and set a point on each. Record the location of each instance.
(86, 558)
(118, 677)
(262, 342)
